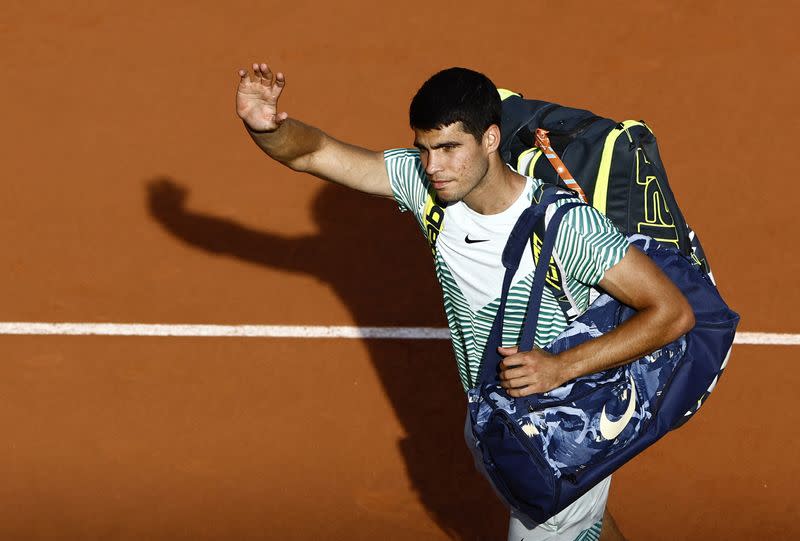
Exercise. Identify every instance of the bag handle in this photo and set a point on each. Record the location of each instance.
(543, 142)
(512, 254)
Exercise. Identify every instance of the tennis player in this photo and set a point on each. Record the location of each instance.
(455, 171)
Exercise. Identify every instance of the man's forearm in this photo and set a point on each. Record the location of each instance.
(644, 332)
(663, 314)
(292, 143)
(302, 147)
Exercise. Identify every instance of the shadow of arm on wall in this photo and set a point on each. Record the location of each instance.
(375, 262)
(166, 203)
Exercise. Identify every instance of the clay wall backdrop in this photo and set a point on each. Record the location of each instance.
(132, 194)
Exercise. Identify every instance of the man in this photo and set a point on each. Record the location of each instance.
(456, 121)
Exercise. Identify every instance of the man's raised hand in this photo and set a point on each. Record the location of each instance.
(257, 98)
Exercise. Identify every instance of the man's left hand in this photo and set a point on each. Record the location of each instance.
(529, 372)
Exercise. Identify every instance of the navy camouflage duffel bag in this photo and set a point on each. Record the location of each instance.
(542, 452)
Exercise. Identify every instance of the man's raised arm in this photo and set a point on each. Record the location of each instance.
(302, 147)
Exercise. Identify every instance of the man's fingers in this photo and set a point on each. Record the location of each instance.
(277, 88)
(256, 74)
(280, 117)
(517, 379)
(263, 74)
(505, 352)
(266, 73)
(516, 382)
(512, 373)
(513, 360)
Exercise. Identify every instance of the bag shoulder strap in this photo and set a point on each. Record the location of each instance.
(599, 201)
(540, 276)
(512, 254)
(554, 281)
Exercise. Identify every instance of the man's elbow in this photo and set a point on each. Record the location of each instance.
(682, 320)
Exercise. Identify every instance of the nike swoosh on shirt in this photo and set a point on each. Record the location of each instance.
(611, 429)
(473, 241)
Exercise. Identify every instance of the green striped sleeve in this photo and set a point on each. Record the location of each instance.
(407, 178)
(591, 534)
(588, 244)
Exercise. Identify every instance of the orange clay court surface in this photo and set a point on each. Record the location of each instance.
(133, 195)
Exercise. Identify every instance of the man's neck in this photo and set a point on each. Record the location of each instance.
(498, 190)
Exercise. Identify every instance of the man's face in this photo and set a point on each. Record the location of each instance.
(454, 161)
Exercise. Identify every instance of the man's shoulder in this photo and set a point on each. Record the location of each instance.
(401, 154)
(405, 167)
(407, 177)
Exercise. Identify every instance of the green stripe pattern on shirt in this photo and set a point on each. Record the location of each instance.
(586, 246)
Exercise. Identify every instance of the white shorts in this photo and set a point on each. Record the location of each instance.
(581, 515)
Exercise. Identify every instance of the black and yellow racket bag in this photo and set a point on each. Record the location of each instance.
(617, 164)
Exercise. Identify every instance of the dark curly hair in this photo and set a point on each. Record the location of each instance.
(456, 95)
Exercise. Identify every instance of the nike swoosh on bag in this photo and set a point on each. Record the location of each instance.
(473, 241)
(611, 429)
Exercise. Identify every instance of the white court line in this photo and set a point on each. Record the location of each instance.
(289, 331)
(255, 331)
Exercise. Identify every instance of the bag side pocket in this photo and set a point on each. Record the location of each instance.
(517, 468)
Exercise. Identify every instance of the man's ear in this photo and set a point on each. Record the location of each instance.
(491, 138)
